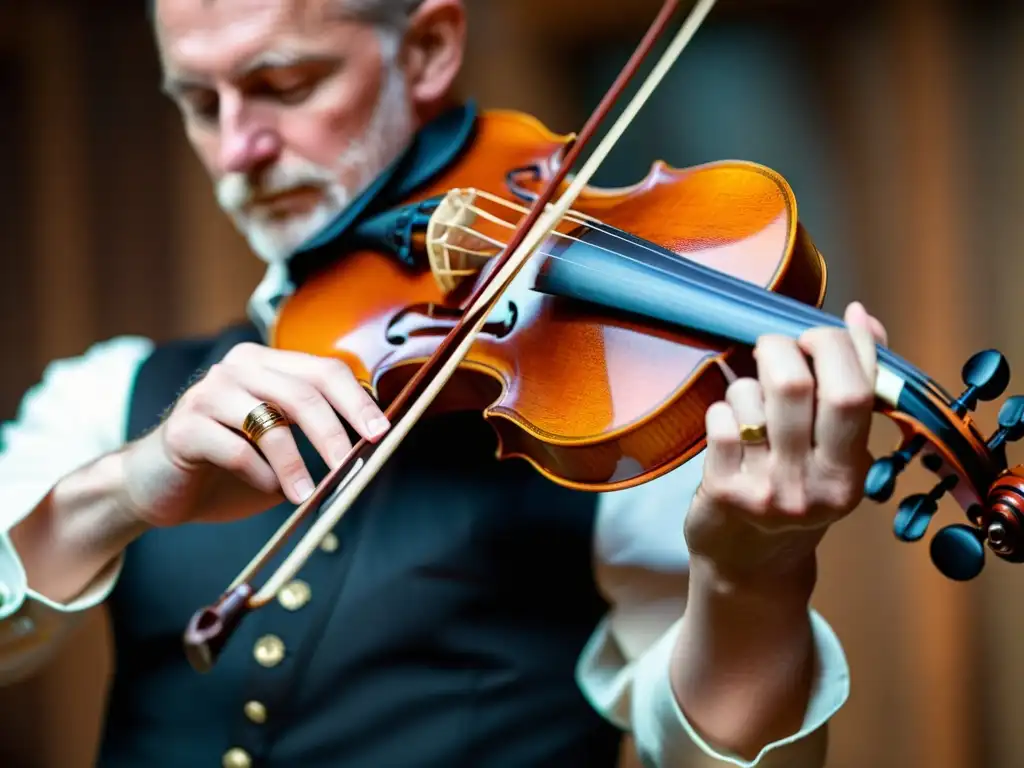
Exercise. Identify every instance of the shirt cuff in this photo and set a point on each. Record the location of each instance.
(32, 625)
(665, 738)
(14, 589)
(634, 693)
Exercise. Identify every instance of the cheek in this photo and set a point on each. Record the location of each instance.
(316, 138)
(326, 127)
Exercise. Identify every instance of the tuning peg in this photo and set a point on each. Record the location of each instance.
(986, 374)
(881, 478)
(958, 552)
(913, 516)
(1011, 423)
(915, 512)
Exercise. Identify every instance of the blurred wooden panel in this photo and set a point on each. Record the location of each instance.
(58, 181)
(18, 312)
(941, 631)
(61, 306)
(128, 127)
(571, 20)
(11, 23)
(522, 72)
(992, 200)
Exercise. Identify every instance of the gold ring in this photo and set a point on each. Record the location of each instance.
(751, 434)
(261, 419)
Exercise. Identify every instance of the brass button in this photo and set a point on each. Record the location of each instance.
(236, 758)
(269, 650)
(294, 595)
(256, 712)
(329, 543)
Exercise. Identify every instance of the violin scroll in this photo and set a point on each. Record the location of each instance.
(958, 550)
(1003, 520)
(986, 374)
(992, 494)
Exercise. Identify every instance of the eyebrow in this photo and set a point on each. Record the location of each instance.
(176, 84)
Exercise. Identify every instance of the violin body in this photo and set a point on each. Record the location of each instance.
(593, 399)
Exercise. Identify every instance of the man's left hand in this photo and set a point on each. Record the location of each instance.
(743, 662)
(763, 505)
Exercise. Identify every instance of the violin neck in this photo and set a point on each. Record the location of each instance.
(619, 271)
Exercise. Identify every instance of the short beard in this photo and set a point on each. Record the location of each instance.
(387, 134)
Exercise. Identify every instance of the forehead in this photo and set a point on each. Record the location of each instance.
(206, 35)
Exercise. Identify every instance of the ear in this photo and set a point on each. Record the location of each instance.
(432, 51)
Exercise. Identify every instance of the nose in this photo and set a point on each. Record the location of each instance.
(246, 144)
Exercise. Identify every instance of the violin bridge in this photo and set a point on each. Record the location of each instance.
(455, 245)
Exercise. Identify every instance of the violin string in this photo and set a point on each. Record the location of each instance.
(808, 313)
(611, 231)
(758, 297)
(557, 257)
(906, 370)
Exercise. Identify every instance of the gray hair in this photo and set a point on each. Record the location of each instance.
(389, 15)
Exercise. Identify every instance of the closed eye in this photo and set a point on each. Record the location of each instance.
(289, 84)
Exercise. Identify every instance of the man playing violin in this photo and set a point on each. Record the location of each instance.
(467, 611)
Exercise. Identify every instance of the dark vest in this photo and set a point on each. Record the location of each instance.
(442, 631)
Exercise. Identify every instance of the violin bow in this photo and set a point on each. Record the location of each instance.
(211, 627)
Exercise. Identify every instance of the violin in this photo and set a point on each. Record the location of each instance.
(589, 327)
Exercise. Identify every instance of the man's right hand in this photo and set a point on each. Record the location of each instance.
(197, 465)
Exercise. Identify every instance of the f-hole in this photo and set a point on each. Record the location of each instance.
(438, 320)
